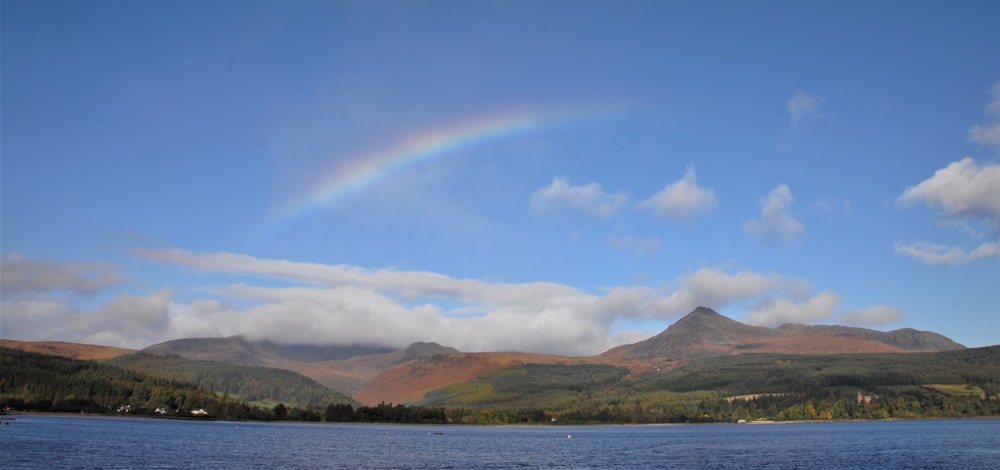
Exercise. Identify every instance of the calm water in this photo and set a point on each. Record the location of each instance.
(85, 442)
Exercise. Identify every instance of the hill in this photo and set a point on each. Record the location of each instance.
(245, 383)
(40, 382)
(705, 333)
(342, 368)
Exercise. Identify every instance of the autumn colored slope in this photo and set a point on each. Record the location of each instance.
(409, 382)
(87, 352)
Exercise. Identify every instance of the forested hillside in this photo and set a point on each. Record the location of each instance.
(961, 383)
(32, 381)
(246, 383)
(767, 373)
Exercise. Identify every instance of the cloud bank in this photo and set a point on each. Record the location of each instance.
(295, 302)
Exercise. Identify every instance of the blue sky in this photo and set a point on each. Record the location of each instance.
(546, 176)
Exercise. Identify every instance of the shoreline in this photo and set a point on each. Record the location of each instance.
(13, 414)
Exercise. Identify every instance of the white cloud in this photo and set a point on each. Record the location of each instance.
(588, 198)
(409, 284)
(337, 304)
(126, 320)
(803, 105)
(710, 286)
(36, 316)
(931, 253)
(126, 317)
(706, 287)
(821, 308)
(989, 133)
(778, 311)
(646, 245)
(682, 198)
(775, 223)
(961, 191)
(876, 315)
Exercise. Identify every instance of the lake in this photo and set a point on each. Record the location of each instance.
(39, 441)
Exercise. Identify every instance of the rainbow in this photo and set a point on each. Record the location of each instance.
(366, 170)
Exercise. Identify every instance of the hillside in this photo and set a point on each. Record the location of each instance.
(956, 383)
(350, 375)
(245, 383)
(411, 381)
(773, 373)
(69, 350)
(248, 383)
(41, 382)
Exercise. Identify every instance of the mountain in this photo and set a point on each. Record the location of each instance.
(342, 368)
(706, 333)
(350, 375)
(240, 350)
(248, 383)
(374, 374)
(906, 339)
(702, 333)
